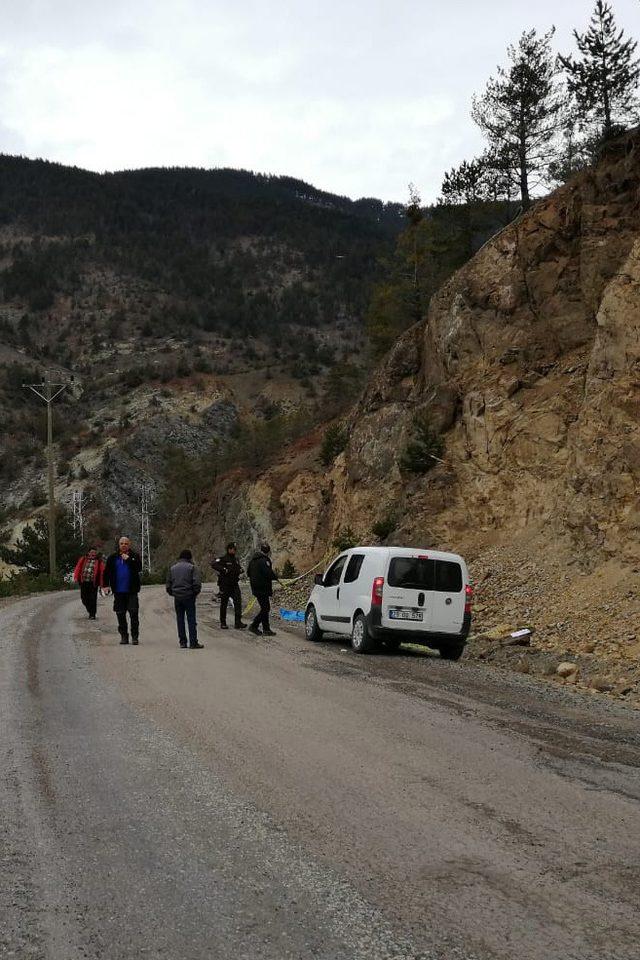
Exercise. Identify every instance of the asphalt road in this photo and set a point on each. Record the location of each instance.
(285, 800)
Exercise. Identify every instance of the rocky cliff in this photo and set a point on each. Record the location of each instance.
(528, 365)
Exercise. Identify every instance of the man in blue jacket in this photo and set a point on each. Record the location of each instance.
(122, 576)
(184, 583)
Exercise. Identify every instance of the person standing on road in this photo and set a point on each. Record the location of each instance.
(122, 575)
(261, 576)
(89, 574)
(229, 573)
(184, 583)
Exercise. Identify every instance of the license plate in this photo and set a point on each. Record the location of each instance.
(405, 615)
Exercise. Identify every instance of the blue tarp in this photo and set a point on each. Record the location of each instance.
(297, 615)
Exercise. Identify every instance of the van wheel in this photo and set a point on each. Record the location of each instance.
(451, 651)
(311, 629)
(361, 639)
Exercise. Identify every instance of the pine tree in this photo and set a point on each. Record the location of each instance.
(575, 151)
(31, 550)
(484, 179)
(605, 80)
(519, 109)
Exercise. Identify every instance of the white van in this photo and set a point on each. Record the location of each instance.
(391, 594)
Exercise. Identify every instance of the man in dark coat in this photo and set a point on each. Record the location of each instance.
(229, 573)
(184, 584)
(122, 576)
(261, 577)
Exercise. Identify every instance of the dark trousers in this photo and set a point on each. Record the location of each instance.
(89, 597)
(186, 608)
(231, 593)
(263, 616)
(124, 603)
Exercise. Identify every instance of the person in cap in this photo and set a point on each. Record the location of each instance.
(229, 572)
(261, 577)
(184, 583)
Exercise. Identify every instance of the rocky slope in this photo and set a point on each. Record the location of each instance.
(528, 365)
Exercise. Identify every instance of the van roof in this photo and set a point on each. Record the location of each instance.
(408, 552)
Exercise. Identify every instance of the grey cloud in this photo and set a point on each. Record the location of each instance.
(358, 97)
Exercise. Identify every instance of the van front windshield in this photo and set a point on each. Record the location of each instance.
(412, 573)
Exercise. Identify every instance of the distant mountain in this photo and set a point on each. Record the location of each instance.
(214, 238)
(171, 292)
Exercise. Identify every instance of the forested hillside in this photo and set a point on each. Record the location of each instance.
(189, 304)
(235, 249)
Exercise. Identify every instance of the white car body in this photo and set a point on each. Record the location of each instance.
(392, 594)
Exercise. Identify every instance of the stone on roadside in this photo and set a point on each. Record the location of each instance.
(600, 683)
(566, 669)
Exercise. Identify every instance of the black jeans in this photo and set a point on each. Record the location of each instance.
(89, 597)
(186, 608)
(124, 603)
(231, 593)
(263, 616)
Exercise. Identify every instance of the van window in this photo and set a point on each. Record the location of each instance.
(448, 576)
(353, 567)
(412, 573)
(332, 578)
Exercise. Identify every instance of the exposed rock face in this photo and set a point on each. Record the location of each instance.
(529, 364)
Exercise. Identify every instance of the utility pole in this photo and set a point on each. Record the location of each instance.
(145, 549)
(48, 391)
(79, 501)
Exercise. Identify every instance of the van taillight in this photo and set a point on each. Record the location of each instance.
(376, 591)
(468, 598)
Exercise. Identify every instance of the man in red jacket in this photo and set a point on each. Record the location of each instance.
(89, 573)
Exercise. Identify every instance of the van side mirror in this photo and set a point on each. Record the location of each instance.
(318, 580)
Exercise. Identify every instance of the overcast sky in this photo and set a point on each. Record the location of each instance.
(355, 97)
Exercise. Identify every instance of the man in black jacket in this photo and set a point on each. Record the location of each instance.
(184, 584)
(261, 577)
(229, 573)
(122, 576)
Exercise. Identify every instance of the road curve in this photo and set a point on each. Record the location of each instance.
(287, 800)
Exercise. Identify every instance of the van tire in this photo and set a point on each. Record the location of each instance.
(361, 639)
(452, 651)
(312, 631)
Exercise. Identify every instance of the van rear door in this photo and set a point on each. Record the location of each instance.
(448, 597)
(407, 600)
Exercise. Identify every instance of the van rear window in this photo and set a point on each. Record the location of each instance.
(421, 573)
(412, 573)
(448, 576)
